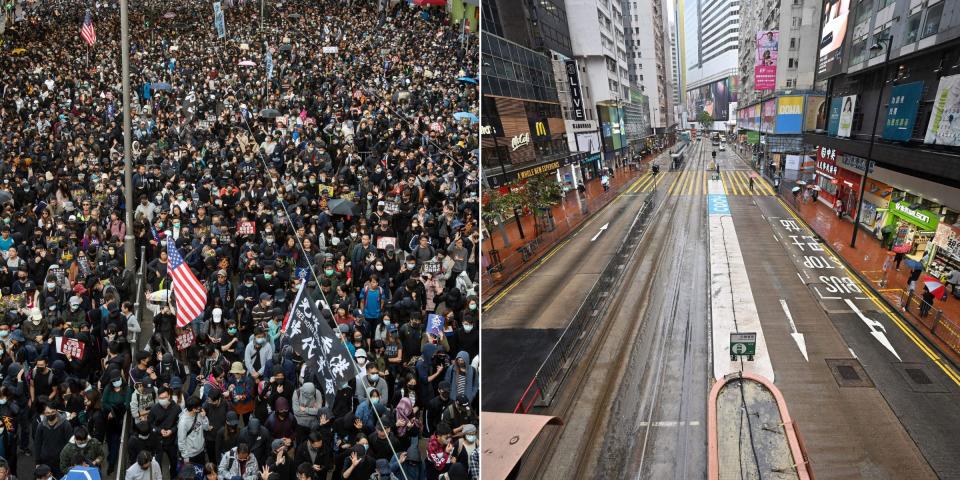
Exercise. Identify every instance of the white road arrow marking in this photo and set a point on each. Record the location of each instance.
(879, 335)
(604, 227)
(797, 336)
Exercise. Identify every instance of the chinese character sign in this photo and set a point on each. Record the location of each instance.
(324, 354)
(70, 346)
(902, 111)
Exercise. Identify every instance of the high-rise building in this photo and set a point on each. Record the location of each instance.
(522, 123)
(708, 31)
(649, 57)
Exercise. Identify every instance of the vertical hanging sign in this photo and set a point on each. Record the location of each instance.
(576, 95)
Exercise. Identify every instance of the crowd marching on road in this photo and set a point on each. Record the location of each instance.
(324, 152)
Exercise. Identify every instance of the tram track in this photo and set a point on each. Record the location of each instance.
(624, 325)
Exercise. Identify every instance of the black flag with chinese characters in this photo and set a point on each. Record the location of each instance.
(322, 351)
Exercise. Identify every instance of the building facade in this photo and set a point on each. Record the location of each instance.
(522, 124)
(649, 57)
(898, 177)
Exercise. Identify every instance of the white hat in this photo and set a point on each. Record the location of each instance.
(217, 315)
(360, 353)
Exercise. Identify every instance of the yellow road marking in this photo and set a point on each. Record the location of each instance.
(906, 329)
(634, 184)
(728, 180)
(675, 178)
(649, 179)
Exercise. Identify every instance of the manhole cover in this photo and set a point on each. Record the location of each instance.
(918, 377)
(848, 372)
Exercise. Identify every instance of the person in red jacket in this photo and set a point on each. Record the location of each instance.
(440, 452)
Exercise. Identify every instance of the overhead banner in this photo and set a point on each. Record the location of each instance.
(833, 123)
(768, 119)
(789, 114)
(942, 130)
(846, 116)
(714, 98)
(835, 13)
(765, 68)
(218, 21)
(902, 111)
(576, 96)
(588, 142)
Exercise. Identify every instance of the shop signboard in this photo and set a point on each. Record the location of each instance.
(789, 114)
(765, 69)
(588, 142)
(573, 80)
(942, 130)
(925, 219)
(846, 116)
(902, 111)
(854, 163)
(753, 137)
(833, 124)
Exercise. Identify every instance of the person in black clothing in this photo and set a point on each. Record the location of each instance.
(143, 439)
(359, 465)
(163, 419)
(316, 454)
(228, 436)
(216, 409)
(50, 437)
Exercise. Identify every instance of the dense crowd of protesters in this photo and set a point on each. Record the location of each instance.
(253, 204)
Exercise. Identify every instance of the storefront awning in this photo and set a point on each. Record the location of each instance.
(496, 176)
(505, 439)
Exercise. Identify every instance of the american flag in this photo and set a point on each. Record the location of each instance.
(190, 294)
(87, 31)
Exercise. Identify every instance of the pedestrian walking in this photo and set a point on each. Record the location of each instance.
(838, 207)
(605, 182)
(953, 281)
(927, 302)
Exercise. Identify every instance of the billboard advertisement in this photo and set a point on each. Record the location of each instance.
(833, 123)
(835, 13)
(790, 114)
(942, 130)
(588, 142)
(765, 68)
(815, 114)
(768, 116)
(714, 98)
(846, 115)
(902, 111)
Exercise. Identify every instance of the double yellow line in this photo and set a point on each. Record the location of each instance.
(906, 329)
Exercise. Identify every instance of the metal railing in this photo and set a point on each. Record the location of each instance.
(562, 357)
(139, 310)
(939, 324)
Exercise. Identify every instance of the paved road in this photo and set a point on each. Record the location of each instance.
(870, 399)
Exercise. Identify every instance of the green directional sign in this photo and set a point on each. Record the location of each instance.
(743, 344)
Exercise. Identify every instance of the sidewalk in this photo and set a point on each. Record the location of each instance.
(567, 216)
(941, 326)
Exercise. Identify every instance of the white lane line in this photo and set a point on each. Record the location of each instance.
(797, 336)
(604, 227)
(852, 352)
(670, 423)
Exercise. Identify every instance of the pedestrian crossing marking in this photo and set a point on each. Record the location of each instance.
(694, 182)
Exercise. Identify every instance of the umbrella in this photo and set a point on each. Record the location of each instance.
(913, 264)
(247, 63)
(795, 189)
(934, 285)
(468, 80)
(160, 86)
(339, 206)
(462, 115)
(82, 473)
(286, 47)
(269, 113)
(801, 182)
(19, 51)
(902, 248)
(169, 15)
(430, 3)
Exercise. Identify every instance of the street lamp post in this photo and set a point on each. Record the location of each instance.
(129, 249)
(876, 47)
